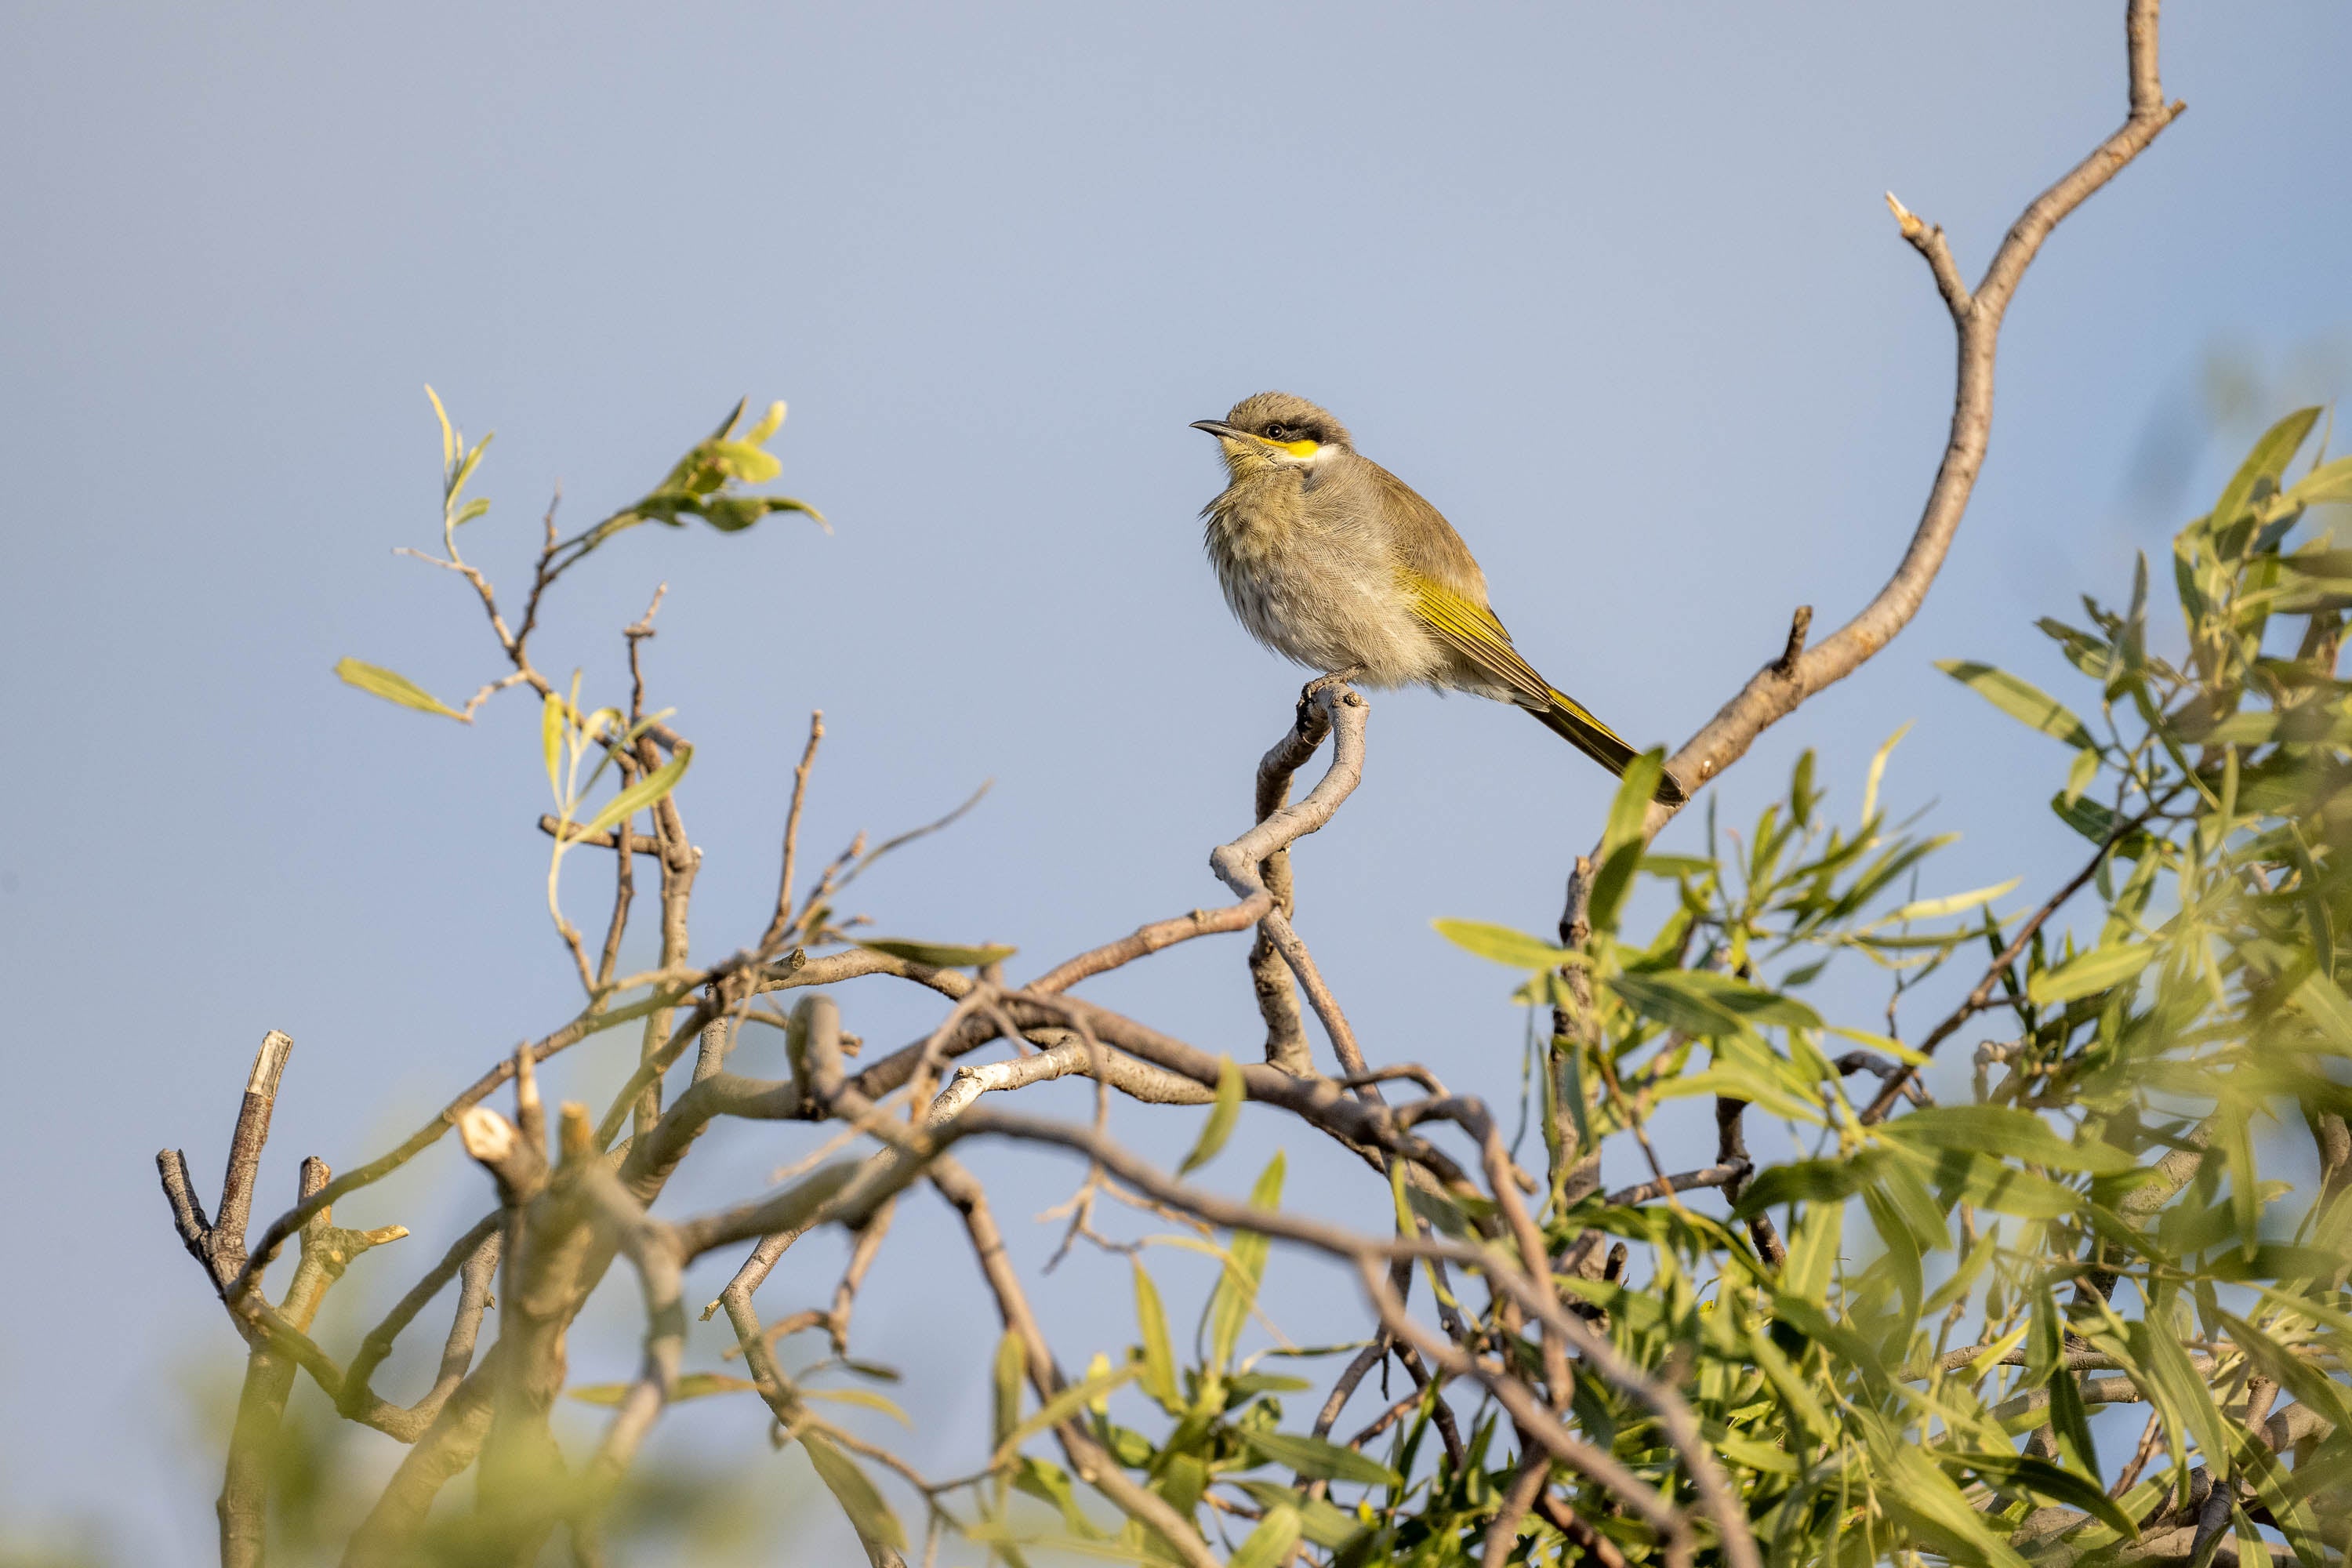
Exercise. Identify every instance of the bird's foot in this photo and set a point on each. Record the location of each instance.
(1322, 683)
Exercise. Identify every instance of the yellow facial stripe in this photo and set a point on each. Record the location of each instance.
(1299, 448)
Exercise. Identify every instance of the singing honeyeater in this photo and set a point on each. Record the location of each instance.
(1329, 559)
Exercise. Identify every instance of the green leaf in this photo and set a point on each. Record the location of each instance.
(1159, 1374)
(1012, 1366)
(769, 422)
(2323, 1004)
(469, 511)
(1511, 949)
(1326, 1525)
(1917, 1493)
(1064, 1406)
(734, 514)
(2267, 460)
(1444, 1214)
(2170, 1366)
(1271, 1542)
(868, 1514)
(550, 740)
(2081, 773)
(1950, 903)
(2097, 824)
(1795, 1395)
(1623, 842)
(1237, 1289)
(692, 1385)
(2290, 1372)
(1222, 1113)
(864, 1399)
(1319, 1460)
(938, 954)
(2019, 1472)
(2328, 482)
(2085, 973)
(2006, 1132)
(378, 681)
(1878, 772)
(465, 466)
(1972, 1176)
(647, 792)
(1706, 1005)
(448, 436)
(2019, 699)
(1810, 1181)
(752, 465)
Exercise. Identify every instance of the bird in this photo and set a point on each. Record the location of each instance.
(1330, 560)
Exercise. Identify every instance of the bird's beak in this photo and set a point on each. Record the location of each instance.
(1217, 428)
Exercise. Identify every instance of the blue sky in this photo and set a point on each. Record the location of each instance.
(1613, 287)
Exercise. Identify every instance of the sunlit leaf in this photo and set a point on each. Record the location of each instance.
(1236, 1288)
(2019, 699)
(1622, 841)
(2089, 973)
(938, 954)
(448, 434)
(1012, 1366)
(1950, 903)
(690, 1385)
(1065, 1405)
(1223, 1111)
(1514, 949)
(2328, 482)
(1159, 1374)
(550, 741)
(2271, 452)
(642, 794)
(378, 681)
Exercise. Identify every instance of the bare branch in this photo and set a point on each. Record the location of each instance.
(1778, 688)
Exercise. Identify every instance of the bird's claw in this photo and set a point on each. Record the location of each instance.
(1319, 685)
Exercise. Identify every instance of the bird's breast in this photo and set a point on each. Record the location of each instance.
(1311, 585)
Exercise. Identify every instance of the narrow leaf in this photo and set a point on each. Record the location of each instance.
(1271, 1542)
(2019, 699)
(938, 954)
(1159, 1374)
(868, 1514)
(378, 681)
(2101, 969)
(1321, 1460)
(2009, 1132)
(1223, 1113)
(2271, 452)
(1512, 949)
(643, 794)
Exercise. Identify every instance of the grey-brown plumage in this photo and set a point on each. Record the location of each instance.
(1330, 560)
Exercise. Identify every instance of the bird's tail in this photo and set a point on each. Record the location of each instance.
(1568, 718)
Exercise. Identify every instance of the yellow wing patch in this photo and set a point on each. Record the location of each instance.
(1473, 631)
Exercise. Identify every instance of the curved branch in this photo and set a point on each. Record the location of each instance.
(1775, 692)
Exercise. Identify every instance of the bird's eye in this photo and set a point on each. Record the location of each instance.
(1277, 432)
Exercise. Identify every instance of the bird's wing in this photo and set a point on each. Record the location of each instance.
(1472, 631)
(1447, 591)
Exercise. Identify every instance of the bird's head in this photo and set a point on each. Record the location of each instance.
(1276, 430)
